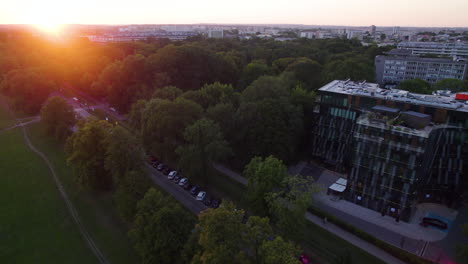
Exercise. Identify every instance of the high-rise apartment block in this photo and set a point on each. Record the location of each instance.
(401, 64)
(444, 49)
(398, 148)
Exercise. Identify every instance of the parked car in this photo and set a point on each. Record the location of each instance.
(166, 171)
(156, 164)
(161, 167)
(152, 158)
(304, 259)
(183, 181)
(195, 190)
(172, 175)
(201, 196)
(187, 186)
(177, 179)
(207, 201)
(429, 221)
(215, 203)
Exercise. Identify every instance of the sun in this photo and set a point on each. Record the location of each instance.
(50, 27)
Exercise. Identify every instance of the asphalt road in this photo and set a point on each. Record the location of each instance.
(176, 191)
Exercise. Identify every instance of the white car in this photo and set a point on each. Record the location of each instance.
(183, 181)
(201, 196)
(171, 175)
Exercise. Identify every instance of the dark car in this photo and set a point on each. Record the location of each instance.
(156, 164)
(215, 203)
(177, 179)
(166, 171)
(161, 167)
(207, 201)
(187, 186)
(429, 221)
(152, 158)
(195, 190)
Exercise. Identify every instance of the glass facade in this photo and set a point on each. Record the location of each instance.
(392, 166)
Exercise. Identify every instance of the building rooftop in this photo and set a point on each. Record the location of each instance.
(444, 100)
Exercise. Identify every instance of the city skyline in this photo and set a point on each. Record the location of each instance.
(418, 13)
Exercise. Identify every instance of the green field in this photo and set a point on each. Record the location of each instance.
(35, 226)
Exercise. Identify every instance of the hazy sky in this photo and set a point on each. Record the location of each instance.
(448, 13)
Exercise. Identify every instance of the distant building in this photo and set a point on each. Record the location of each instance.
(398, 148)
(396, 30)
(447, 49)
(354, 34)
(215, 33)
(400, 64)
(307, 34)
(372, 31)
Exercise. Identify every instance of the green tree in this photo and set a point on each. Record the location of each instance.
(168, 93)
(28, 88)
(164, 123)
(130, 189)
(224, 115)
(279, 251)
(354, 68)
(307, 72)
(253, 71)
(453, 85)
(135, 115)
(288, 204)
(258, 230)
(205, 145)
(415, 86)
(221, 232)
(86, 153)
(123, 153)
(58, 117)
(265, 87)
(263, 175)
(268, 127)
(160, 229)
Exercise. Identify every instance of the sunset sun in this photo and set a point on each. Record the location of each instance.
(49, 27)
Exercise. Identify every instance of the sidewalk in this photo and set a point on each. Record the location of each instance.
(364, 245)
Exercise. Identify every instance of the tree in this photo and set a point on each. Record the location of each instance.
(354, 68)
(58, 117)
(253, 71)
(224, 115)
(415, 86)
(168, 93)
(263, 175)
(135, 115)
(279, 251)
(205, 145)
(307, 72)
(288, 204)
(265, 87)
(221, 232)
(28, 88)
(453, 85)
(258, 230)
(462, 249)
(130, 189)
(164, 123)
(160, 229)
(123, 153)
(86, 153)
(268, 127)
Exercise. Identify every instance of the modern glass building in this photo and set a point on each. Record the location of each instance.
(398, 149)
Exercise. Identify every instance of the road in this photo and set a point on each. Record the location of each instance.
(157, 177)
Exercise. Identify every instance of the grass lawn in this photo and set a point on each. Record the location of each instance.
(35, 226)
(96, 210)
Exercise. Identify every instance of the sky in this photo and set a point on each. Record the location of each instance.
(423, 13)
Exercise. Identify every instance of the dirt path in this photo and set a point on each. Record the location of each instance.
(71, 209)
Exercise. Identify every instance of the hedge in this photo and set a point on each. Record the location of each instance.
(392, 250)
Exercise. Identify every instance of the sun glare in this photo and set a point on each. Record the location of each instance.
(50, 28)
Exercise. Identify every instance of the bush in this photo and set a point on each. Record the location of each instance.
(392, 250)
